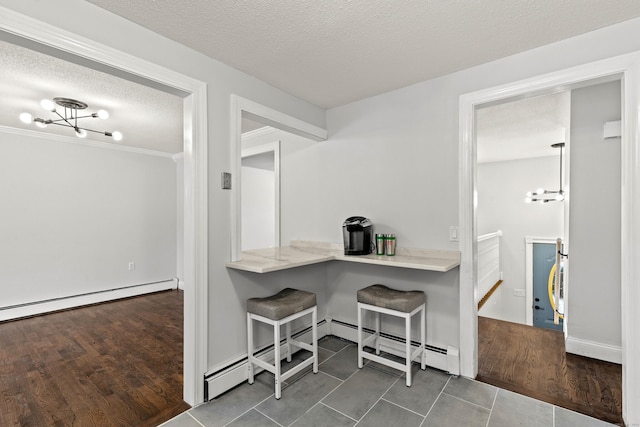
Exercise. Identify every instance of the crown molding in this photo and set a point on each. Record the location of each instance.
(84, 141)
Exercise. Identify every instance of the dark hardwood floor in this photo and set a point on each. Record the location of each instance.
(532, 361)
(112, 364)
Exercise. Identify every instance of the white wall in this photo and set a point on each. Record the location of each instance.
(594, 303)
(74, 216)
(258, 208)
(501, 192)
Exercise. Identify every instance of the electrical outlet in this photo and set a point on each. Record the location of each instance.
(226, 181)
(132, 266)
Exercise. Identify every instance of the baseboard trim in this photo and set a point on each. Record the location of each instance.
(48, 306)
(594, 350)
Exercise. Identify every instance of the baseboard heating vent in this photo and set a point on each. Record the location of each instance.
(235, 372)
(33, 308)
(445, 359)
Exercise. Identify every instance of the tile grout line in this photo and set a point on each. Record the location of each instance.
(434, 402)
(334, 409)
(492, 406)
(402, 407)
(267, 416)
(194, 418)
(379, 399)
(466, 401)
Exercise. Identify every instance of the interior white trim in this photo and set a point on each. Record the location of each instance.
(628, 67)
(195, 149)
(269, 117)
(75, 140)
(528, 273)
(595, 350)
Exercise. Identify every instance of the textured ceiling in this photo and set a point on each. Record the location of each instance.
(331, 52)
(524, 128)
(148, 118)
(327, 52)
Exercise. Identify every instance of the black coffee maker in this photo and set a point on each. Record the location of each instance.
(357, 232)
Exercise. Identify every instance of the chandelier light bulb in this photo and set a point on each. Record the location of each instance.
(528, 199)
(103, 114)
(26, 118)
(559, 197)
(81, 133)
(539, 191)
(117, 136)
(48, 105)
(40, 123)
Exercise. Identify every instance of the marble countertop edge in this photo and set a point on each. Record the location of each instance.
(301, 253)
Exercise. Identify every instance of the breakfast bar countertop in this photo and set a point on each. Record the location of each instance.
(301, 253)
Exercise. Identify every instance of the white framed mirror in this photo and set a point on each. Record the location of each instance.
(242, 108)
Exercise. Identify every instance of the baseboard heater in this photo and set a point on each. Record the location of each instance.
(33, 308)
(235, 372)
(444, 359)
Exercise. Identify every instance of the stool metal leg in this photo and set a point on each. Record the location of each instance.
(250, 346)
(360, 338)
(288, 342)
(423, 341)
(276, 349)
(314, 337)
(407, 322)
(377, 333)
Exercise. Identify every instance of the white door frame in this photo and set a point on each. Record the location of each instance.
(195, 179)
(628, 67)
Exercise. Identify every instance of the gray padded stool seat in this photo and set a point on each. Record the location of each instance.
(382, 296)
(276, 310)
(285, 303)
(404, 304)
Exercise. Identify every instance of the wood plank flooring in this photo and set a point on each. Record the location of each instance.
(112, 364)
(532, 361)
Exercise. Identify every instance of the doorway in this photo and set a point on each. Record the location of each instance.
(617, 67)
(195, 166)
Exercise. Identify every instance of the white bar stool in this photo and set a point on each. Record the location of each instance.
(276, 310)
(381, 299)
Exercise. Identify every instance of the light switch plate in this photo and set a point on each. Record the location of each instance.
(226, 181)
(453, 234)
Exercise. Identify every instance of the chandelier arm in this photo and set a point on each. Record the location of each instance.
(76, 127)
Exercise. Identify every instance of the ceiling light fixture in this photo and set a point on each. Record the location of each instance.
(543, 196)
(70, 117)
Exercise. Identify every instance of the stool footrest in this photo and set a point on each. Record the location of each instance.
(383, 361)
(371, 338)
(302, 345)
(291, 372)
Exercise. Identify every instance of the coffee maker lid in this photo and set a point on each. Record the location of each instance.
(357, 221)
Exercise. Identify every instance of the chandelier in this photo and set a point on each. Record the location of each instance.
(543, 196)
(69, 117)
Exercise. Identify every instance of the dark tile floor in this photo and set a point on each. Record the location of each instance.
(340, 394)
